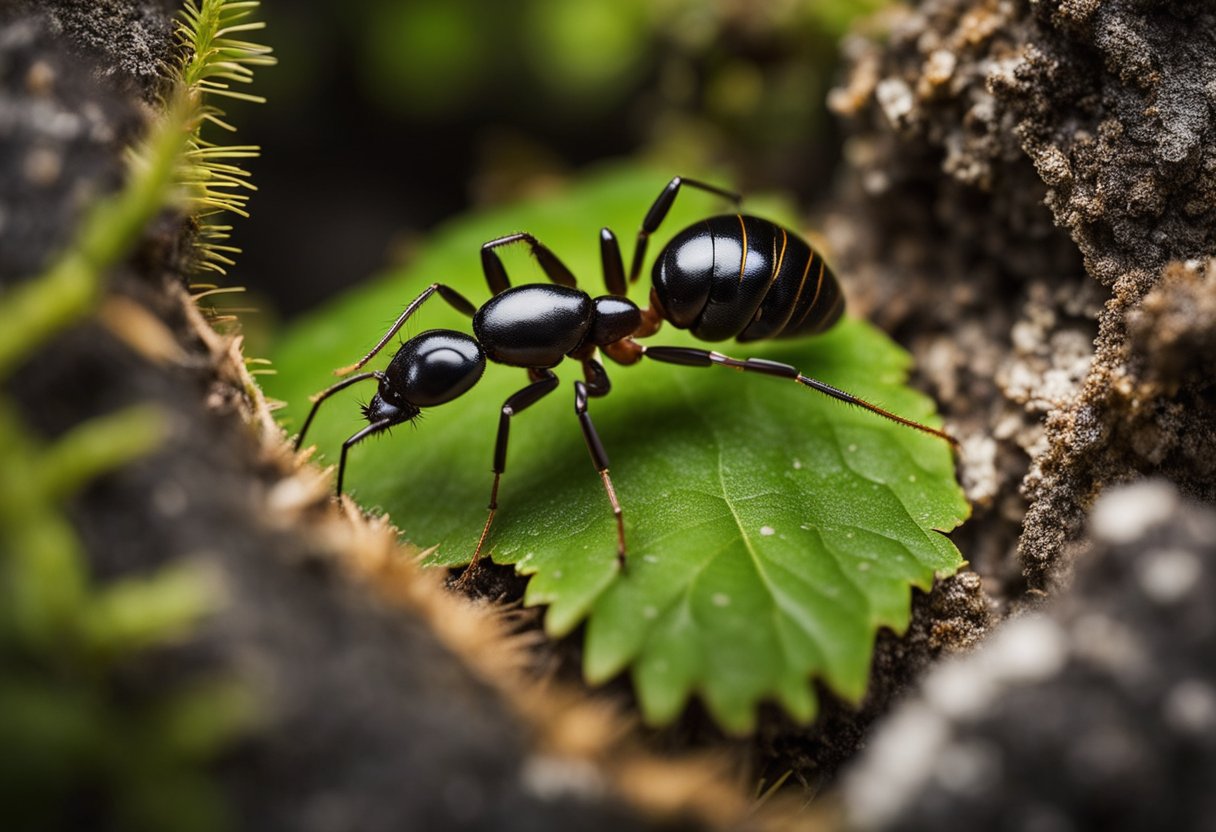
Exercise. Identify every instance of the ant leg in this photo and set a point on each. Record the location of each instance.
(373, 428)
(496, 274)
(658, 211)
(597, 378)
(691, 357)
(326, 393)
(457, 301)
(597, 385)
(614, 266)
(543, 383)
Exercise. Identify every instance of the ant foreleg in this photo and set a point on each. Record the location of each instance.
(658, 212)
(550, 263)
(692, 357)
(458, 302)
(326, 393)
(370, 430)
(543, 383)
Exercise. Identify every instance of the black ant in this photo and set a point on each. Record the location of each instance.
(729, 276)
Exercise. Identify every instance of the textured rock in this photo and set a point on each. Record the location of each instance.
(1052, 164)
(1114, 104)
(1096, 713)
(976, 126)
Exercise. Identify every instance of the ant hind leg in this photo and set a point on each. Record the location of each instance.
(692, 357)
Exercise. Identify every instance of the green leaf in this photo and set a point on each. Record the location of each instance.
(771, 529)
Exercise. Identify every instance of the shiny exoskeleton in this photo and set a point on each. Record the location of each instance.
(730, 276)
(745, 278)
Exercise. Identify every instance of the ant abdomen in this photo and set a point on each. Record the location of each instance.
(737, 276)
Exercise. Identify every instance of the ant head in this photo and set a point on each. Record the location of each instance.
(378, 410)
(429, 369)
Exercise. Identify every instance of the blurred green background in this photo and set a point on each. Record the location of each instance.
(387, 116)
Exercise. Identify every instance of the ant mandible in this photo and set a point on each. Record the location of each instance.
(729, 276)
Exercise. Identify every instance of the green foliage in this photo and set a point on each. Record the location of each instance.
(593, 46)
(64, 724)
(836, 17)
(442, 58)
(771, 529)
(44, 571)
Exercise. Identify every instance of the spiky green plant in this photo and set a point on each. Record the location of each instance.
(219, 58)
